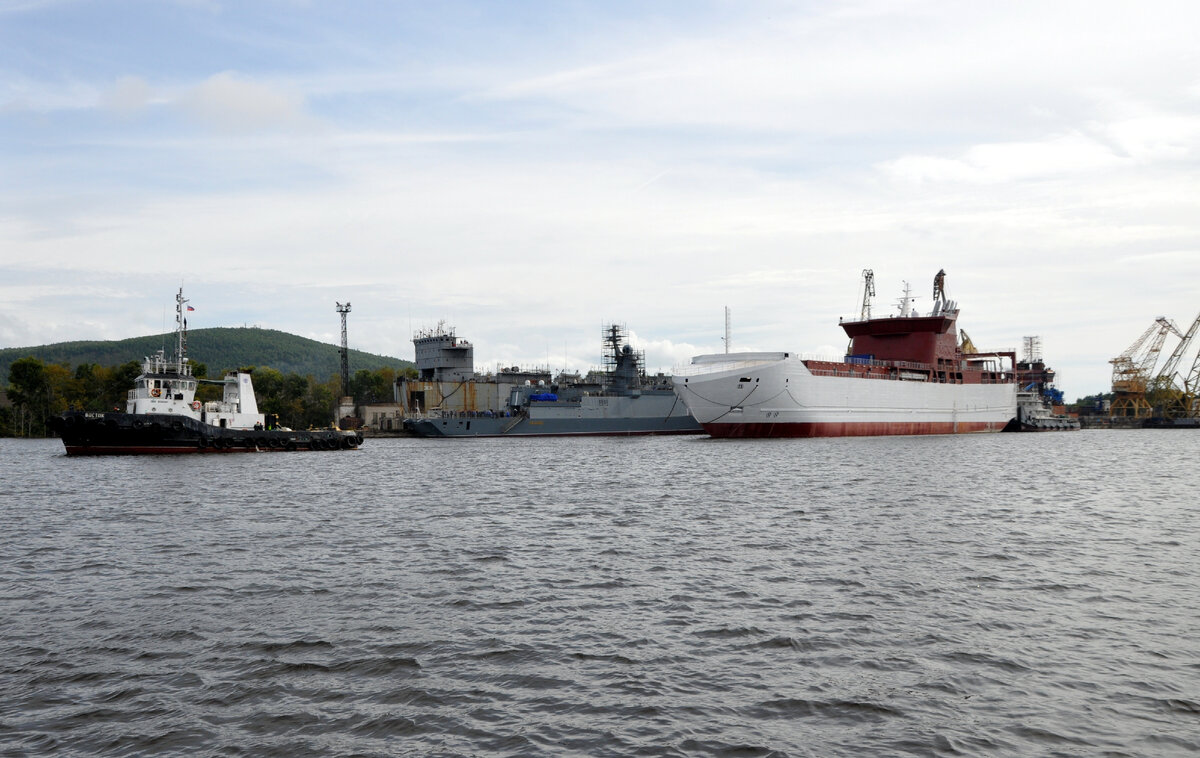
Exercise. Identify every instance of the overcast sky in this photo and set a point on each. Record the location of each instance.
(529, 171)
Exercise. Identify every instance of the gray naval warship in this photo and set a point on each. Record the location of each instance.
(620, 400)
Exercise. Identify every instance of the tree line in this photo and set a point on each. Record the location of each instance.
(37, 390)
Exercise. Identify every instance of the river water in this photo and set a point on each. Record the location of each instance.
(1001, 595)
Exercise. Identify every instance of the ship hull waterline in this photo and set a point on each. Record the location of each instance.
(850, 429)
(434, 428)
(85, 433)
(652, 412)
(784, 399)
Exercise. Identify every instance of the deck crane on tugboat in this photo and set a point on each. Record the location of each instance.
(1131, 370)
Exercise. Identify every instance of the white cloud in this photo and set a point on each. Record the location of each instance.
(129, 95)
(664, 354)
(869, 68)
(1007, 162)
(231, 103)
(1155, 137)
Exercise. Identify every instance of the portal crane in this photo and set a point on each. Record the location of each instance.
(1191, 389)
(1166, 392)
(1131, 370)
(1187, 406)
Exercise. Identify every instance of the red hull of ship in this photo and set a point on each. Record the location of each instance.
(849, 429)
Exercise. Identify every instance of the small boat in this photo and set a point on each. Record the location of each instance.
(162, 415)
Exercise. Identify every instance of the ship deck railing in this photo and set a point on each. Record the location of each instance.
(449, 414)
(905, 365)
(856, 374)
(712, 366)
(694, 369)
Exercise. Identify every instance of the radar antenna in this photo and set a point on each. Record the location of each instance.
(906, 300)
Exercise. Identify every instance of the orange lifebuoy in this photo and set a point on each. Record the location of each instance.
(195, 405)
(155, 392)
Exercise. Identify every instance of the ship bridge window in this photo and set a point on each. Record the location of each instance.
(745, 379)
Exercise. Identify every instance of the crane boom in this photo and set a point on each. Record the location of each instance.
(1191, 383)
(1131, 370)
(1166, 376)
(1170, 395)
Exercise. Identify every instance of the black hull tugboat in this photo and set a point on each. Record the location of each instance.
(163, 416)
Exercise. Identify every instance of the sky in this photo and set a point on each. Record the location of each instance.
(527, 172)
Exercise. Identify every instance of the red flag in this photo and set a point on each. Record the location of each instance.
(190, 308)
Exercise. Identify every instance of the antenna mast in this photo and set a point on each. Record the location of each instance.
(345, 351)
(727, 330)
(868, 293)
(1033, 349)
(180, 330)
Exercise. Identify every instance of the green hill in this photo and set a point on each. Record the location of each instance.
(218, 348)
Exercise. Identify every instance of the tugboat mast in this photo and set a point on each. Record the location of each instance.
(180, 331)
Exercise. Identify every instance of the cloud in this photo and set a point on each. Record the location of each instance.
(1006, 162)
(1155, 137)
(871, 68)
(128, 96)
(664, 354)
(651, 166)
(230, 103)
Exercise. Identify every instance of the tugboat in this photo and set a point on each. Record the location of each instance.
(162, 415)
(1040, 406)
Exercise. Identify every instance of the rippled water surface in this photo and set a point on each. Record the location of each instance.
(983, 595)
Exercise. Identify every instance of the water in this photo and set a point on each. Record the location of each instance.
(1008, 595)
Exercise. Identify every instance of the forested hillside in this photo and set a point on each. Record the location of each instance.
(218, 348)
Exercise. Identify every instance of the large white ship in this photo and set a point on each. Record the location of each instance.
(903, 374)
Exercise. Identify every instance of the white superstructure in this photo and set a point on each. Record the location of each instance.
(168, 387)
